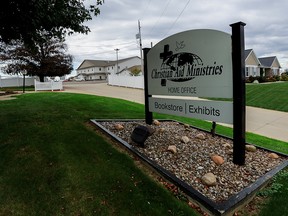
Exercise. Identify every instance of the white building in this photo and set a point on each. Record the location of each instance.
(99, 69)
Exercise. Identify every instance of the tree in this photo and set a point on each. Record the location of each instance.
(26, 19)
(135, 71)
(46, 58)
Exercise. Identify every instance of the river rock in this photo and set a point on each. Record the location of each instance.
(118, 127)
(185, 139)
(227, 145)
(209, 179)
(217, 159)
(186, 126)
(172, 148)
(200, 136)
(250, 148)
(156, 122)
(273, 155)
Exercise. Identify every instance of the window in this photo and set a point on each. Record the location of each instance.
(254, 71)
(247, 71)
(99, 69)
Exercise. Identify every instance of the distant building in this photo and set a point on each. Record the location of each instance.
(99, 69)
(270, 66)
(265, 66)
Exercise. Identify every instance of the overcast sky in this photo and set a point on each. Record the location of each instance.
(266, 30)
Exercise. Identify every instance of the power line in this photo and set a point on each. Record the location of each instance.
(147, 6)
(177, 18)
(160, 16)
(104, 45)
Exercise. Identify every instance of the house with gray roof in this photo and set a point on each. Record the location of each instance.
(252, 64)
(100, 69)
(270, 66)
(265, 66)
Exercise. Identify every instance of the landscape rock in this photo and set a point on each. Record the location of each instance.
(217, 159)
(209, 179)
(118, 127)
(200, 136)
(185, 139)
(193, 159)
(161, 130)
(273, 156)
(230, 152)
(156, 122)
(227, 145)
(186, 126)
(172, 148)
(250, 148)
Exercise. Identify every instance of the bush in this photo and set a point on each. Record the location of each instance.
(284, 77)
(251, 79)
(276, 77)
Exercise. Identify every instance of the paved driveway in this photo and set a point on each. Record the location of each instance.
(269, 123)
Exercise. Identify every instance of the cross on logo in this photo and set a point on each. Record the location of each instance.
(164, 55)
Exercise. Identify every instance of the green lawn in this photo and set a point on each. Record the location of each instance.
(272, 96)
(269, 96)
(53, 163)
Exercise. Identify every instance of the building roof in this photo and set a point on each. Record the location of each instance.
(267, 61)
(87, 63)
(247, 52)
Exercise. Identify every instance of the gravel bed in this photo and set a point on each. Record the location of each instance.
(193, 159)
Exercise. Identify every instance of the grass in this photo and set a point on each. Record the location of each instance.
(52, 163)
(269, 96)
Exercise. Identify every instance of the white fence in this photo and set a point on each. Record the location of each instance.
(8, 81)
(126, 81)
(48, 86)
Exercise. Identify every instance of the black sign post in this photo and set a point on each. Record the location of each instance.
(239, 109)
(148, 114)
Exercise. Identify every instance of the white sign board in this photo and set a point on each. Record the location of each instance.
(217, 111)
(195, 63)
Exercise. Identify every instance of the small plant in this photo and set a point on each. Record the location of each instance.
(135, 71)
(276, 185)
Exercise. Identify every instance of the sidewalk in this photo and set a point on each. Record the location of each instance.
(268, 123)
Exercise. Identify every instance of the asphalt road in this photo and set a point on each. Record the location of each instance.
(269, 123)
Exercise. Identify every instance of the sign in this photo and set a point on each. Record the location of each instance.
(195, 63)
(199, 63)
(217, 111)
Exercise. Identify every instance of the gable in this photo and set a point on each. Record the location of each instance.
(95, 63)
(276, 63)
(251, 58)
(86, 64)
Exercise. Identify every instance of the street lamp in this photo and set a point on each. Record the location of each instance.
(117, 50)
(24, 73)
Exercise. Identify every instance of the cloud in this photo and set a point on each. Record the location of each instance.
(266, 31)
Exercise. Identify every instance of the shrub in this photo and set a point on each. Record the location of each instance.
(284, 77)
(276, 77)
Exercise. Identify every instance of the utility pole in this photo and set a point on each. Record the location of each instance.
(138, 36)
(117, 50)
